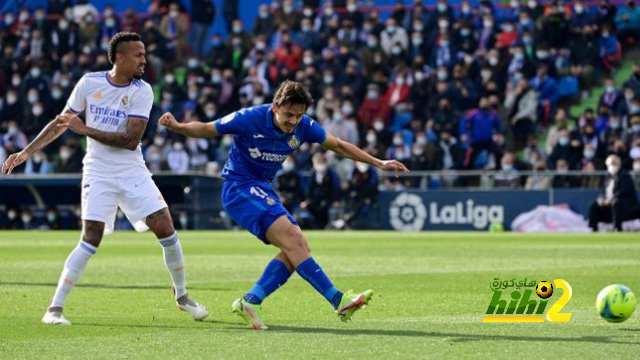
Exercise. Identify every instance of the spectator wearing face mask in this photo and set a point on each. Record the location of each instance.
(361, 196)
(36, 119)
(12, 106)
(27, 220)
(63, 38)
(547, 88)
(38, 164)
(394, 39)
(52, 220)
(619, 201)
(419, 161)
(398, 92)
(323, 190)
(610, 49)
(538, 180)
(13, 220)
(344, 126)
(521, 106)
(15, 139)
(57, 102)
(633, 136)
(69, 159)
(478, 130)
(174, 26)
(507, 176)
(398, 146)
(373, 108)
(611, 98)
(628, 21)
(565, 150)
(264, 23)
(590, 181)
(178, 158)
(562, 180)
(290, 186)
(634, 80)
(38, 81)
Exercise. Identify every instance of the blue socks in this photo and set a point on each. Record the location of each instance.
(275, 275)
(312, 272)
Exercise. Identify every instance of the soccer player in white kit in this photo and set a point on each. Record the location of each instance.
(117, 104)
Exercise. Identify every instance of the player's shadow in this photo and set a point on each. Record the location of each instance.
(452, 337)
(112, 286)
(208, 324)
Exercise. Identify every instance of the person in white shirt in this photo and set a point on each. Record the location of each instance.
(117, 104)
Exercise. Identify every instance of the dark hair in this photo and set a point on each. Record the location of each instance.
(115, 44)
(291, 92)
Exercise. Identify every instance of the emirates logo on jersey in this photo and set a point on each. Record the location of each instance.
(294, 142)
(125, 100)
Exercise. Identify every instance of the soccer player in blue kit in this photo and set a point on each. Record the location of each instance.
(265, 136)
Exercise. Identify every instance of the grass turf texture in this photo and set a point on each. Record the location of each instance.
(432, 290)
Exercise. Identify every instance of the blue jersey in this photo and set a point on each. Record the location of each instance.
(259, 147)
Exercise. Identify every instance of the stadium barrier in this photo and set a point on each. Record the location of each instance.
(403, 209)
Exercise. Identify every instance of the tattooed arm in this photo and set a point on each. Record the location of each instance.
(50, 132)
(125, 140)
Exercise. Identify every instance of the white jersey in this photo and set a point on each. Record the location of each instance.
(108, 108)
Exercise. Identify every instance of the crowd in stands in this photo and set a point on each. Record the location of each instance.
(438, 87)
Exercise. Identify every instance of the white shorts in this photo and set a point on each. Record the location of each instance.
(138, 197)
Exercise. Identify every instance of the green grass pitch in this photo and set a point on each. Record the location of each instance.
(432, 290)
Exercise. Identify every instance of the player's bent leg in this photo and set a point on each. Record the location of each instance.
(162, 226)
(290, 239)
(76, 262)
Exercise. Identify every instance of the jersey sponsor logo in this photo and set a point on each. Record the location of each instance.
(294, 142)
(107, 111)
(255, 153)
(125, 100)
(106, 115)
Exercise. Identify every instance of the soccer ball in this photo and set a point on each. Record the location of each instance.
(615, 303)
(544, 289)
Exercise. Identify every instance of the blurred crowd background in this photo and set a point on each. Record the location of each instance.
(479, 85)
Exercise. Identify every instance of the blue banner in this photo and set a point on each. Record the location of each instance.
(470, 210)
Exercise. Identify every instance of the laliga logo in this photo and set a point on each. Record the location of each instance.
(408, 213)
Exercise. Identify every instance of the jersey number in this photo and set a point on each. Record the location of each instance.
(256, 191)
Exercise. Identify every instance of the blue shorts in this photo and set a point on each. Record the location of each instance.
(254, 205)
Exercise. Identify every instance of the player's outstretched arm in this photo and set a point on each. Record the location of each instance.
(348, 150)
(50, 132)
(126, 140)
(193, 129)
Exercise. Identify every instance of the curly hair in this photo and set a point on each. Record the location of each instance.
(291, 92)
(115, 44)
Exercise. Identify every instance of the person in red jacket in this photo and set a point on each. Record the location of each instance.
(398, 92)
(373, 107)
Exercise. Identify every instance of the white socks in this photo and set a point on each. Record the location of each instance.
(174, 261)
(76, 262)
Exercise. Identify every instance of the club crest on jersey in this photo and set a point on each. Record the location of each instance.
(294, 142)
(125, 100)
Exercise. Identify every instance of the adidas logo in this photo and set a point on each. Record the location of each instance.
(98, 95)
(259, 136)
